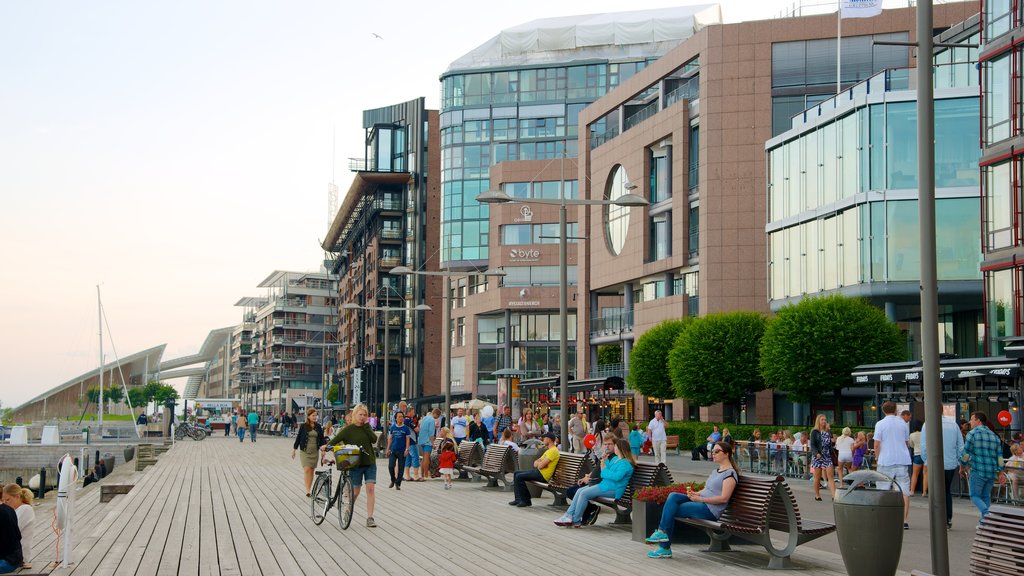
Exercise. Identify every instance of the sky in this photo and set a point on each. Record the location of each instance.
(175, 153)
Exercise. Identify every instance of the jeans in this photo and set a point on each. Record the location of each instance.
(519, 484)
(396, 457)
(286, 430)
(948, 476)
(252, 432)
(240, 430)
(6, 567)
(679, 506)
(583, 496)
(981, 492)
(227, 429)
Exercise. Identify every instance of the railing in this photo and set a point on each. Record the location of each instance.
(596, 139)
(640, 115)
(608, 325)
(391, 234)
(608, 370)
(688, 90)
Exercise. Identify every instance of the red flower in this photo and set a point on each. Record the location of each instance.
(659, 494)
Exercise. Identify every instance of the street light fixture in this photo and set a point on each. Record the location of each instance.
(446, 352)
(626, 200)
(387, 332)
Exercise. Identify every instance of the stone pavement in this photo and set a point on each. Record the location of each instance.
(223, 507)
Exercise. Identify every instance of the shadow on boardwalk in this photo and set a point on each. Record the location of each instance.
(223, 507)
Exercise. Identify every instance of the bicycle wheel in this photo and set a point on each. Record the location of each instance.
(321, 499)
(346, 501)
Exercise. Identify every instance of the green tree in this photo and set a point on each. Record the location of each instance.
(164, 393)
(609, 354)
(332, 393)
(812, 347)
(137, 397)
(648, 362)
(151, 389)
(115, 394)
(93, 395)
(716, 359)
(6, 414)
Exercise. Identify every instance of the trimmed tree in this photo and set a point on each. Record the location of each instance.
(137, 396)
(609, 354)
(812, 347)
(716, 359)
(648, 362)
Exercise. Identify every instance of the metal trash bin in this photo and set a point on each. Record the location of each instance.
(108, 462)
(527, 455)
(869, 524)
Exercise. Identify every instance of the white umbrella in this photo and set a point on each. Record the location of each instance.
(472, 404)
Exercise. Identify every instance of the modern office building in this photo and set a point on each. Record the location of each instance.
(296, 323)
(1001, 141)
(389, 218)
(690, 131)
(510, 118)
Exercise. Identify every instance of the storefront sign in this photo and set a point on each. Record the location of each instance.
(524, 255)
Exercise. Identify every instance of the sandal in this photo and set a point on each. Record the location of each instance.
(421, 480)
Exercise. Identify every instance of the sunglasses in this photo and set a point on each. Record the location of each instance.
(717, 451)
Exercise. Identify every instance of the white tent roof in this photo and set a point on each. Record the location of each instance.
(650, 32)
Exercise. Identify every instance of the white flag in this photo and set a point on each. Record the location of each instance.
(859, 8)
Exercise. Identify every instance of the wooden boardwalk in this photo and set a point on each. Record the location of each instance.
(224, 507)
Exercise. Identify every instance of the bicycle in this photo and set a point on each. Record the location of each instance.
(345, 457)
(193, 432)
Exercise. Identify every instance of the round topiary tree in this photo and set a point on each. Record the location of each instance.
(648, 362)
(812, 347)
(716, 359)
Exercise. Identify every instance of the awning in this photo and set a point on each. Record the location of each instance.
(949, 369)
(587, 385)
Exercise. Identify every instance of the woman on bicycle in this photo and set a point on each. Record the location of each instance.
(309, 439)
(360, 434)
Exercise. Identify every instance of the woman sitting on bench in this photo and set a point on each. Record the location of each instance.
(616, 470)
(707, 504)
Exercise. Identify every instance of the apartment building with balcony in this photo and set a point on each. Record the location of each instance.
(388, 218)
(690, 130)
(287, 365)
(1002, 153)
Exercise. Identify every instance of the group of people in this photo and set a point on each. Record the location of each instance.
(16, 528)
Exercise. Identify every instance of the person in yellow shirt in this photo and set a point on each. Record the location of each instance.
(543, 469)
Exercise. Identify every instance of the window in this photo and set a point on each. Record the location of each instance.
(998, 97)
(515, 234)
(616, 217)
(998, 205)
(460, 332)
(536, 276)
(693, 226)
(694, 158)
(519, 234)
(490, 330)
(1001, 308)
(998, 18)
(661, 236)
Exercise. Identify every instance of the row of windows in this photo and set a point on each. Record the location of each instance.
(549, 189)
(558, 83)
(532, 361)
(1002, 203)
(536, 276)
(1002, 306)
(874, 242)
(524, 328)
(521, 234)
(874, 148)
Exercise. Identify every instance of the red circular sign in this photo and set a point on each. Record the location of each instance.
(589, 441)
(1004, 417)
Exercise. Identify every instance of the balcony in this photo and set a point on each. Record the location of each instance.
(608, 370)
(612, 324)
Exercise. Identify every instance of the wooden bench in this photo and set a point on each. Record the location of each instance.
(108, 491)
(997, 548)
(644, 475)
(760, 504)
(567, 472)
(469, 454)
(498, 462)
(672, 443)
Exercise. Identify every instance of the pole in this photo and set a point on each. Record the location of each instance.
(99, 310)
(446, 343)
(387, 362)
(929, 284)
(563, 321)
(839, 46)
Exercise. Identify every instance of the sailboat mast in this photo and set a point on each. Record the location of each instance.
(99, 308)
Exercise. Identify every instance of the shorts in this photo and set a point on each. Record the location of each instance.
(424, 448)
(899, 474)
(918, 461)
(361, 474)
(412, 458)
(448, 471)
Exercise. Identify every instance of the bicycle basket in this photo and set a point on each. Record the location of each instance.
(346, 456)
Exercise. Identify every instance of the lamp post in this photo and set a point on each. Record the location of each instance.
(626, 200)
(446, 352)
(387, 333)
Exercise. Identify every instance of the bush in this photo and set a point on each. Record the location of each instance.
(717, 358)
(692, 434)
(659, 494)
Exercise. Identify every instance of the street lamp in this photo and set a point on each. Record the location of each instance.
(387, 310)
(626, 200)
(446, 351)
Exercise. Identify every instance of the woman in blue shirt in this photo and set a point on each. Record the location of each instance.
(401, 438)
(616, 470)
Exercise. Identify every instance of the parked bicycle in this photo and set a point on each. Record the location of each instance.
(345, 458)
(188, 429)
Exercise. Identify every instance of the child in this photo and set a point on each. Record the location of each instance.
(506, 439)
(636, 440)
(446, 462)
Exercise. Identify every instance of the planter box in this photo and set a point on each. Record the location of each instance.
(646, 517)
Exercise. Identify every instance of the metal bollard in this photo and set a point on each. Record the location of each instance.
(18, 481)
(42, 483)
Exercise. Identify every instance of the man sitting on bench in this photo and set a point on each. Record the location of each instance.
(708, 504)
(543, 469)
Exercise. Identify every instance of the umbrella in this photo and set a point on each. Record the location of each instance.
(472, 404)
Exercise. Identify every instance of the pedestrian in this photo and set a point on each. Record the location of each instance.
(373, 421)
(412, 458)
(860, 449)
(20, 499)
(821, 461)
(844, 449)
(254, 421)
(616, 469)
(576, 432)
(919, 466)
(892, 436)
(489, 422)
(528, 427)
(233, 423)
(398, 448)
(10, 540)
(478, 430)
(424, 438)
(288, 422)
(952, 452)
(361, 434)
(543, 469)
(982, 450)
(240, 426)
(460, 426)
(636, 440)
(310, 438)
(656, 428)
(446, 462)
(503, 421)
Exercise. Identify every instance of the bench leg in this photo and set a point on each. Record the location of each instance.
(560, 499)
(505, 484)
(779, 563)
(463, 475)
(719, 542)
(492, 482)
(622, 517)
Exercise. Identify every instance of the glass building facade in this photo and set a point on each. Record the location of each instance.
(842, 199)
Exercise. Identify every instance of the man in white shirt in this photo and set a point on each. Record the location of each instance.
(656, 428)
(891, 440)
(460, 426)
